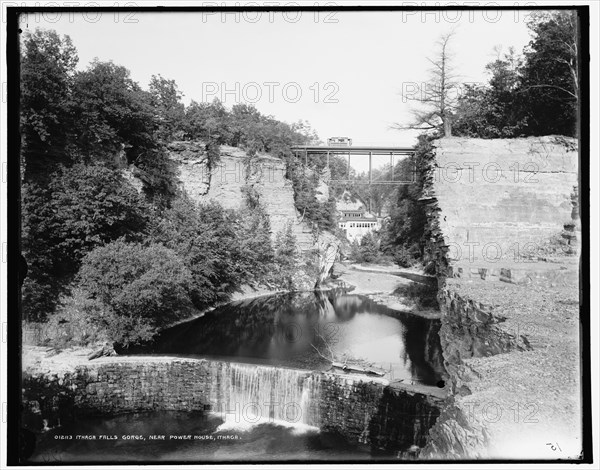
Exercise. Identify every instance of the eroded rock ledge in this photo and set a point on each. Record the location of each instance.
(508, 291)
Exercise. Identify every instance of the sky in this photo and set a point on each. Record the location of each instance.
(343, 72)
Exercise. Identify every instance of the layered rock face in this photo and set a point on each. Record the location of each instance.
(503, 226)
(229, 182)
(226, 182)
(502, 200)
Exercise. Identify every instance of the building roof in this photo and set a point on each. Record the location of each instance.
(363, 215)
(358, 219)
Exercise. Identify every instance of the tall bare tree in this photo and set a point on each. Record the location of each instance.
(439, 94)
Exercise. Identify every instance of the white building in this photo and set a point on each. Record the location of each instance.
(354, 220)
(357, 226)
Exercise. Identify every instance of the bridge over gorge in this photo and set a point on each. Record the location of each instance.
(358, 151)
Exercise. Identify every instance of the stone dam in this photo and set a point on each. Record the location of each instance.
(365, 412)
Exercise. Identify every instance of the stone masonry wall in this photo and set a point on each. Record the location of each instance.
(371, 414)
(109, 386)
(361, 411)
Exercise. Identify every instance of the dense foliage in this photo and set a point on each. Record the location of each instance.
(85, 226)
(536, 94)
(137, 288)
(81, 208)
(402, 236)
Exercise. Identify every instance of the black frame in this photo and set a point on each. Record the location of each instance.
(15, 268)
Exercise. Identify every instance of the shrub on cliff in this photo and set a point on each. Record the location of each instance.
(403, 238)
(322, 214)
(253, 250)
(135, 289)
(222, 248)
(285, 257)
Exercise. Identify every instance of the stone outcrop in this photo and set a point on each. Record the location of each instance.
(192, 164)
(496, 201)
(502, 235)
(234, 177)
(236, 173)
(512, 357)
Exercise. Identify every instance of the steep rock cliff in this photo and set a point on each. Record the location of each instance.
(494, 201)
(233, 175)
(502, 234)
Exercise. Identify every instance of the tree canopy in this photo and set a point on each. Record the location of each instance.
(533, 94)
(529, 94)
(81, 130)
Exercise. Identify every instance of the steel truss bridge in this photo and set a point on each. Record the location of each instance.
(360, 151)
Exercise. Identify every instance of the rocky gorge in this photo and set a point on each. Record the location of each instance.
(505, 248)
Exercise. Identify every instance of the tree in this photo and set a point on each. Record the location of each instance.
(141, 288)
(536, 95)
(322, 214)
(286, 256)
(47, 69)
(114, 116)
(505, 70)
(166, 99)
(551, 75)
(369, 248)
(496, 110)
(208, 121)
(439, 94)
(403, 235)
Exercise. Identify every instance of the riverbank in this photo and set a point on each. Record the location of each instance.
(36, 334)
(245, 293)
(392, 287)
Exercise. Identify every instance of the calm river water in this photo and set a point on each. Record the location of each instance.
(291, 330)
(304, 330)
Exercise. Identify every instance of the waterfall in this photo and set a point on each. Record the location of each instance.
(245, 395)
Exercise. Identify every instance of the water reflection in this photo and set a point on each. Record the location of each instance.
(297, 330)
